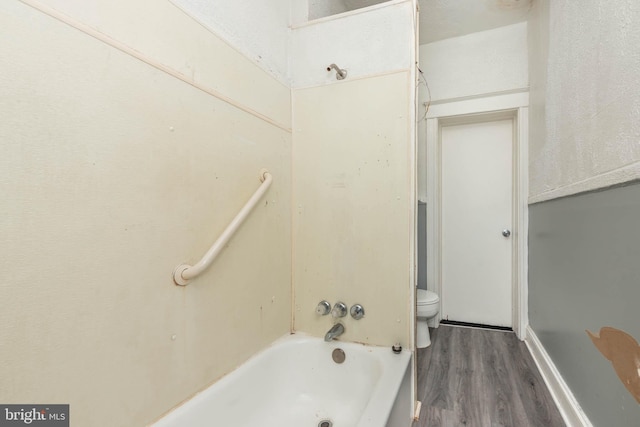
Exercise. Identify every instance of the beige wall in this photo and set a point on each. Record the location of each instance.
(130, 139)
(167, 34)
(353, 205)
(258, 29)
(112, 173)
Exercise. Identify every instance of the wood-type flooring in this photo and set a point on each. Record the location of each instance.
(481, 378)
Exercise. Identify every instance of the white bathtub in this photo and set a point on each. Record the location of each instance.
(296, 383)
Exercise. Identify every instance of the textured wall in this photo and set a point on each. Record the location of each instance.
(584, 274)
(322, 8)
(444, 19)
(584, 133)
(588, 135)
(365, 44)
(176, 40)
(472, 65)
(476, 64)
(538, 43)
(114, 172)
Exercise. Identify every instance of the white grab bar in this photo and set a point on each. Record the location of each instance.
(185, 272)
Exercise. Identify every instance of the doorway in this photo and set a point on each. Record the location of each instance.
(476, 204)
(454, 119)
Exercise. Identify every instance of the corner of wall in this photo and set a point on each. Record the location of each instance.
(567, 404)
(128, 150)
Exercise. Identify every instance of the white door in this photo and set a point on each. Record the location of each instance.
(476, 221)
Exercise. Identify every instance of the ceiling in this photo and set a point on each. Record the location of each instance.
(442, 19)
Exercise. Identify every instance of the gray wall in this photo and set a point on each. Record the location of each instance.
(584, 273)
(422, 245)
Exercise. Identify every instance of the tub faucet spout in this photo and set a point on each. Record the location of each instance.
(335, 331)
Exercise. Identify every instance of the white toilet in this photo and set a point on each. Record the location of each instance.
(428, 305)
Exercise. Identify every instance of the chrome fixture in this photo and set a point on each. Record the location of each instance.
(338, 355)
(339, 310)
(335, 331)
(506, 233)
(323, 308)
(340, 72)
(357, 311)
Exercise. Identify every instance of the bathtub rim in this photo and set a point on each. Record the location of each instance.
(380, 402)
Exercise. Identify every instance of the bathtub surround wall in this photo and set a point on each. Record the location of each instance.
(133, 134)
(345, 247)
(112, 173)
(583, 269)
(353, 173)
(174, 39)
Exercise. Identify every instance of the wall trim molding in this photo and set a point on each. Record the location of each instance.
(478, 96)
(487, 103)
(283, 80)
(625, 174)
(568, 406)
(128, 50)
(521, 297)
(353, 79)
(514, 105)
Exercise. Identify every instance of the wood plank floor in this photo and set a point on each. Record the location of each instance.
(481, 378)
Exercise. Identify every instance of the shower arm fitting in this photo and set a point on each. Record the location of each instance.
(340, 73)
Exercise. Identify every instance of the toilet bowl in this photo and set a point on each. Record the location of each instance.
(428, 305)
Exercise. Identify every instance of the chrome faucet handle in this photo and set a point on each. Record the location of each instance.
(339, 309)
(323, 308)
(357, 311)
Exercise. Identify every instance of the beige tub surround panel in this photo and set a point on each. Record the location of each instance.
(113, 173)
(351, 206)
(168, 35)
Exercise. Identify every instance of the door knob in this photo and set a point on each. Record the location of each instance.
(506, 233)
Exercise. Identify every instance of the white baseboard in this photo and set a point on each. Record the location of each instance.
(569, 407)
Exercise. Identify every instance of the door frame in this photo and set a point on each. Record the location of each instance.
(488, 108)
